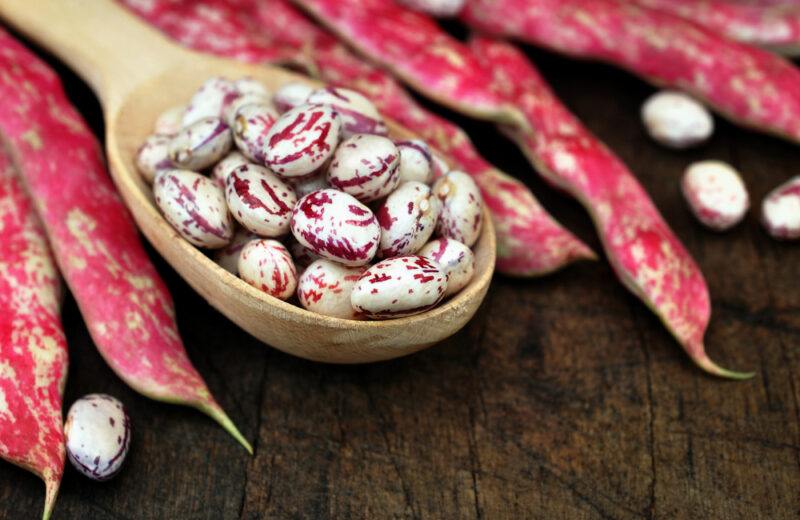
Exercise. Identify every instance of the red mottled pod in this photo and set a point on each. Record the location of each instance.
(772, 24)
(94, 240)
(415, 49)
(260, 200)
(228, 163)
(325, 288)
(195, 206)
(408, 218)
(209, 101)
(416, 161)
(676, 120)
(780, 211)
(305, 185)
(170, 121)
(462, 207)
(250, 128)
(438, 8)
(267, 265)
(199, 145)
(358, 114)
(454, 258)
(716, 194)
(302, 140)
(365, 166)
(98, 432)
(291, 95)
(748, 85)
(228, 257)
(33, 349)
(646, 255)
(337, 226)
(397, 287)
(153, 156)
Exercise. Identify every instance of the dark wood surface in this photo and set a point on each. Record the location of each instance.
(563, 398)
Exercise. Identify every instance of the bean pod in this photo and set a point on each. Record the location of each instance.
(302, 140)
(195, 206)
(267, 265)
(260, 200)
(98, 434)
(397, 287)
(365, 166)
(408, 218)
(454, 258)
(325, 288)
(335, 225)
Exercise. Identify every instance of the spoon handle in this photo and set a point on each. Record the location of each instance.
(107, 46)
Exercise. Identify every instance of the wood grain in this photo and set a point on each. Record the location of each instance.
(563, 398)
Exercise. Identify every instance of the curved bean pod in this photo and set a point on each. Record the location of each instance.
(126, 306)
(33, 349)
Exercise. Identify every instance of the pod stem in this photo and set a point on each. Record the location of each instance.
(705, 362)
(214, 411)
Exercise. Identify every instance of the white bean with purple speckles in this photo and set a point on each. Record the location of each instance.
(195, 206)
(359, 115)
(305, 185)
(153, 156)
(301, 140)
(291, 95)
(780, 211)
(400, 286)
(416, 163)
(98, 435)
(228, 256)
(267, 265)
(677, 120)
(325, 288)
(231, 109)
(408, 218)
(455, 259)
(170, 121)
(462, 207)
(200, 144)
(716, 194)
(250, 85)
(366, 167)
(209, 100)
(250, 128)
(336, 226)
(303, 256)
(260, 200)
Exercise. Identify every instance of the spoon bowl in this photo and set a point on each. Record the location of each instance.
(98, 38)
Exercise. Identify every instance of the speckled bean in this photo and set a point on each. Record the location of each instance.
(716, 194)
(677, 120)
(366, 167)
(337, 226)
(260, 200)
(399, 286)
(780, 211)
(291, 95)
(305, 185)
(462, 207)
(303, 256)
(267, 265)
(200, 144)
(302, 139)
(454, 258)
(225, 166)
(250, 128)
(416, 162)
(209, 100)
(325, 288)
(408, 219)
(250, 85)
(232, 108)
(195, 206)
(170, 121)
(98, 435)
(153, 156)
(358, 114)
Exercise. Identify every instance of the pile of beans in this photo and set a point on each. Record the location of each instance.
(302, 192)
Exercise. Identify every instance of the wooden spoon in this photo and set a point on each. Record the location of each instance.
(138, 74)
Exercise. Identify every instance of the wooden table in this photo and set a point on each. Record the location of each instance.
(563, 398)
